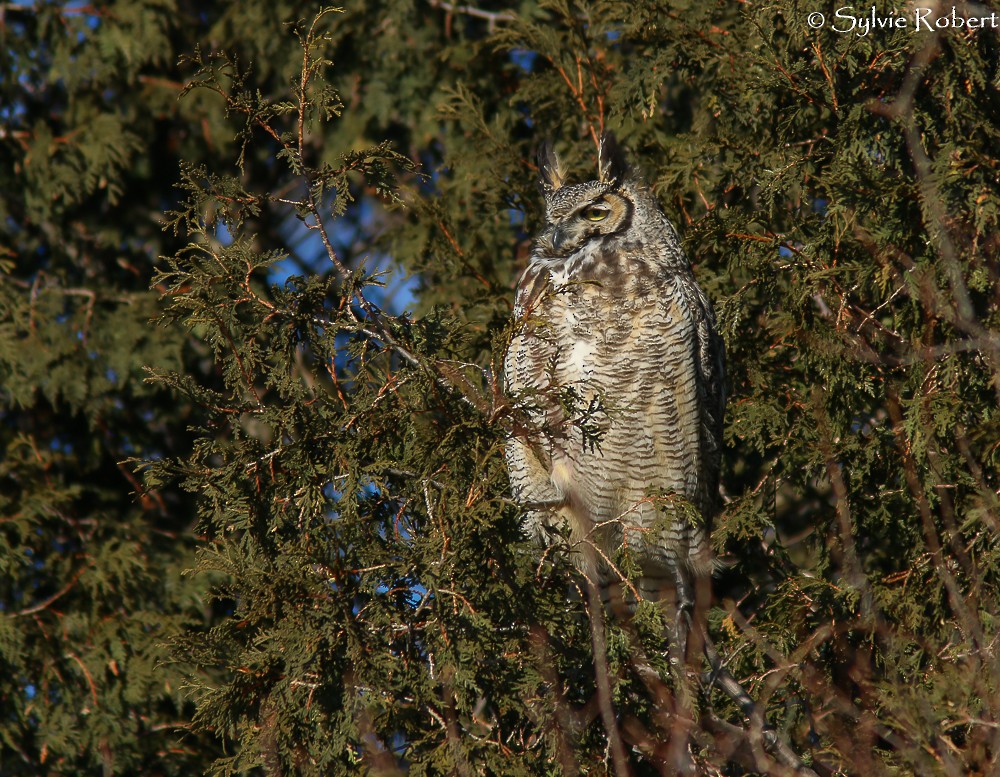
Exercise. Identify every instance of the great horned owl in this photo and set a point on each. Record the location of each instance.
(612, 327)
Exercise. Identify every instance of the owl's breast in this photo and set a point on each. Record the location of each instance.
(601, 335)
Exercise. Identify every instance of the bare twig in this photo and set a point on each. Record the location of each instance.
(596, 610)
(493, 17)
(46, 603)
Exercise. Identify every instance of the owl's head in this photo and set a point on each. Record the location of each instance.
(580, 214)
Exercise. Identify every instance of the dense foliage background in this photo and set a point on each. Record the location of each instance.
(255, 280)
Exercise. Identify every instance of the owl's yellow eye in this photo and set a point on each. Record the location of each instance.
(596, 213)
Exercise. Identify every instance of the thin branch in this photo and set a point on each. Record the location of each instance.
(493, 17)
(86, 673)
(596, 609)
(46, 603)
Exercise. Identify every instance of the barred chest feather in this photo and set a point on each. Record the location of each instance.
(611, 340)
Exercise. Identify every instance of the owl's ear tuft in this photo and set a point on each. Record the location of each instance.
(551, 175)
(611, 166)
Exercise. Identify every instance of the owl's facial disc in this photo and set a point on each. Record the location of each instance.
(602, 213)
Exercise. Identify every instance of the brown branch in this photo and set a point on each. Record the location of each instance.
(239, 360)
(577, 95)
(461, 255)
(829, 78)
(854, 572)
(86, 673)
(493, 17)
(608, 718)
(166, 83)
(813, 679)
(46, 603)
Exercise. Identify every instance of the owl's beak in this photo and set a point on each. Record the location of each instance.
(558, 237)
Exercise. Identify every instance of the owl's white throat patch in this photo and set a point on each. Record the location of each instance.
(579, 266)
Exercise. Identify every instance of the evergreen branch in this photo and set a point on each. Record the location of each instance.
(306, 73)
(901, 109)
(34, 8)
(40, 284)
(381, 332)
(404, 473)
(247, 379)
(461, 255)
(440, 524)
(752, 760)
(971, 624)
(384, 336)
(458, 596)
(811, 675)
(754, 738)
(175, 725)
(760, 732)
(826, 72)
(595, 546)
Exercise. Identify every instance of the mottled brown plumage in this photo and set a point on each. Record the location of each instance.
(608, 311)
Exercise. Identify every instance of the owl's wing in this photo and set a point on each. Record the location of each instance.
(528, 459)
(712, 365)
(530, 290)
(710, 355)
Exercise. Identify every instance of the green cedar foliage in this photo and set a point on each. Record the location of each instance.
(352, 492)
(332, 465)
(91, 575)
